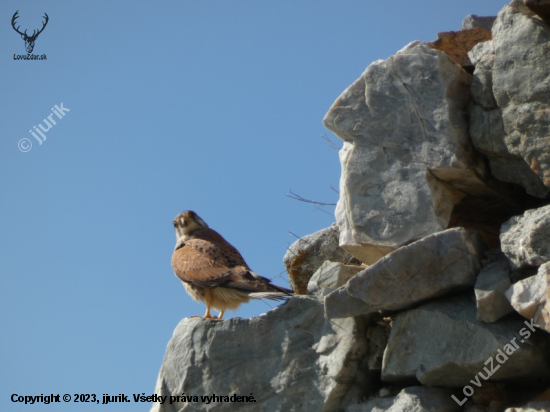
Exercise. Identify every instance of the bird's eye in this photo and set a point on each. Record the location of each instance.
(183, 221)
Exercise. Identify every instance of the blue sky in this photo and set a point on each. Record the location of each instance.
(214, 106)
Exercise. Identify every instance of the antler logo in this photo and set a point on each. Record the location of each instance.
(29, 40)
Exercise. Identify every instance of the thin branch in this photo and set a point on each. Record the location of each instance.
(280, 275)
(296, 236)
(320, 209)
(333, 145)
(294, 196)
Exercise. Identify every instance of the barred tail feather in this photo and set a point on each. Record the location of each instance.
(257, 287)
(270, 295)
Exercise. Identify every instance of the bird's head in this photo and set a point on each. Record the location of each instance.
(186, 223)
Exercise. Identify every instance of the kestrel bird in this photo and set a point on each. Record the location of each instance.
(213, 271)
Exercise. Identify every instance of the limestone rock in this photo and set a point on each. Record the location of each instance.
(449, 347)
(457, 44)
(330, 276)
(406, 159)
(290, 359)
(473, 20)
(509, 122)
(531, 297)
(308, 253)
(414, 398)
(487, 130)
(521, 86)
(340, 304)
(482, 87)
(525, 238)
(450, 261)
(491, 285)
(488, 136)
(480, 50)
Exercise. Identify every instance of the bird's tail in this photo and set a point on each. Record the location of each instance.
(271, 295)
(267, 290)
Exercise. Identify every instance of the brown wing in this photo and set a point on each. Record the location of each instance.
(206, 258)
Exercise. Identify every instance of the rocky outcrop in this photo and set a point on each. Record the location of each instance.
(512, 128)
(445, 193)
(473, 20)
(474, 55)
(526, 239)
(455, 346)
(450, 262)
(290, 359)
(407, 159)
(491, 285)
(308, 253)
(531, 297)
(330, 276)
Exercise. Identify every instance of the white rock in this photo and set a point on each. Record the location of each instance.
(407, 157)
(521, 85)
(308, 253)
(442, 344)
(491, 285)
(487, 129)
(472, 20)
(330, 276)
(482, 88)
(434, 266)
(531, 297)
(480, 50)
(290, 359)
(525, 239)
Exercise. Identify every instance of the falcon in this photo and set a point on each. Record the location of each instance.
(213, 271)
